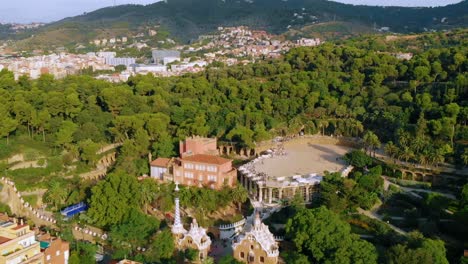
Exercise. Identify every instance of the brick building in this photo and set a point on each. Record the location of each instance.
(204, 170)
(198, 165)
(55, 250)
(198, 145)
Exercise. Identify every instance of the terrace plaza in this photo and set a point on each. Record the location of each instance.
(295, 166)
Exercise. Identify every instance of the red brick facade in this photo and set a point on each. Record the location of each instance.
(205, 170)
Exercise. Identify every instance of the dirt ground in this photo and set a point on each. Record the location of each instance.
(304, 159)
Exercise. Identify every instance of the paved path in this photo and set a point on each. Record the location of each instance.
(387, 183)
(379, 217)
(39, 192)
(109, 147)
(28, 164)
(11, 196)
(443, 167)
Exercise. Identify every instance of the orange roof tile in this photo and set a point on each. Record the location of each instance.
(209, 159)
(19, 227)
(4, 239)
(160, 162)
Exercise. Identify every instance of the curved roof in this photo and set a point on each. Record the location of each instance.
(260, 232)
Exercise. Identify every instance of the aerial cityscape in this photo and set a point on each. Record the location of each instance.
(225, 131)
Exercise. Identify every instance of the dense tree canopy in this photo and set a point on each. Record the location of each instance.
(420, 104)
(113, 199)
(418, 250)
(325, 238)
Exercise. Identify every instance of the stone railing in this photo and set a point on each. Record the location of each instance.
(92, 233)
(42, 217)
(233, 225)
(26, 206)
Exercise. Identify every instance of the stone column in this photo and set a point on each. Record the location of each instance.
(260, 194)
(307, 199)
(270, 194)
(280, 193)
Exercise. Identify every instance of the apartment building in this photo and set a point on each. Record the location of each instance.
(55, 250)
(18, 243)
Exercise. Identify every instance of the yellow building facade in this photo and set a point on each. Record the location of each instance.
(256, 245)
(18, 244)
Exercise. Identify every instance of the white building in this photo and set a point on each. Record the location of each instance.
(106, 54)
(120, 61)
(159, 166)
(167, 60)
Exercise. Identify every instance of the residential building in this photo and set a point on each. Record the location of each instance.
(256, 245)
(204, 170)
(18, 243)
(106, 54)
(159, 167)
(198, 165)
(55, 250)
(165, 56)
(120, 61)
(198, 145)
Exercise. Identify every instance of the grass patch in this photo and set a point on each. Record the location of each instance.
(32, 178)
(31, 149)
(4, 208)
(31, 199)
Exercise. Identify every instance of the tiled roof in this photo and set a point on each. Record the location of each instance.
(209, 159)
(19, 226)
(4, 239)
(160, 162)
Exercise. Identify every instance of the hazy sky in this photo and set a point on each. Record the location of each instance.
(51, 10)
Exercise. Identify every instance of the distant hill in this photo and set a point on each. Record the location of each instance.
(187, 19)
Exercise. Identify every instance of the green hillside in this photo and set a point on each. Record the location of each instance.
(186, 19)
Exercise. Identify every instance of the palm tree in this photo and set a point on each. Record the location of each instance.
(371, 141)
(406, 154)
(436, 156)
(423, 159)
(239, 195)
(391, 150)
(56, 194)
(323, 124)
(418, 144)
(404, 138)
(357, 127)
